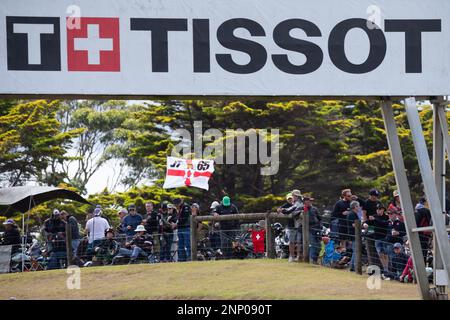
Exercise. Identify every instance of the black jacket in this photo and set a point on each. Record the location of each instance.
(225, 210)
(399, 226)
(152, 221)
(339, 208)
(350, 221)
(12, 237)
(145, 242)
(184, 214)
(284, 207)
(72, 221)
(381, 225)
(315, 220)
(398, 264)
(165, 221)
(56, 233)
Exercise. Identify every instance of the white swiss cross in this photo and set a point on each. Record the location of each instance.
(93, 44)
(257, 236)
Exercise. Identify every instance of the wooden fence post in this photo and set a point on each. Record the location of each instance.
(305, 236)
(270, 245)
(358, 247)
(69, 249)
(193, 226)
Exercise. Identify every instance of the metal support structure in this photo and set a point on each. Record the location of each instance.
(405, 198)
(431, 192)
(439, 178)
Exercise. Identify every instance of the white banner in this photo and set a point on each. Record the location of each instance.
(225, 48)
(188, 173)
(5, 258)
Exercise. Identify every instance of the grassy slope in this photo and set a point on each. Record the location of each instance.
(237, 279)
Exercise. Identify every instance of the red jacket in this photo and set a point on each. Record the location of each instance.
(258, 237)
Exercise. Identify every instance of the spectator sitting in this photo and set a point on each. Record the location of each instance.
(107, 248)
(140, 245)
(339, 258)
(398, 262)
(408, 273)
(131, 221)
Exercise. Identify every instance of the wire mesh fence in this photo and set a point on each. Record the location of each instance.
(341, 244)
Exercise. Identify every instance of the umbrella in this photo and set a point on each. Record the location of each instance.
(24, 198)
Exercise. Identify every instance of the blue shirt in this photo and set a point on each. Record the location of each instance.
(132, 221)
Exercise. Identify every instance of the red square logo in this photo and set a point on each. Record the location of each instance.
(94, 46)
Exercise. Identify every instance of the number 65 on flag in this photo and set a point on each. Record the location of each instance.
(190, 173)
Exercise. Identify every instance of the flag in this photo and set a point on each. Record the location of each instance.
(188, 173)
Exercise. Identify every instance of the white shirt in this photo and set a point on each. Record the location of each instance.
(96, 227)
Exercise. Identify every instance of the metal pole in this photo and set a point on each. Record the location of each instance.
(439, 178)
(193, 226)
(431, 192)
(358, 247)
(405, 197)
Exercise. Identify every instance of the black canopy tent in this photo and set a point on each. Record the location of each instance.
(24, 198)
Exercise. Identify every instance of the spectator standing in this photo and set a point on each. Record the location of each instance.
(339, 215)
(395, 204)
(294, 206)
(396, 231)
(381, 227)
(122, 228)
(371, 204)
(74, 228)
(95, 228)
(184, 233)
(353, 216)
(423, 219)
(11, 236)
(213, 207)
(131, 221)
(315, 226)
(228, 228)
(168, 224)
(55, 229)
(151, 223)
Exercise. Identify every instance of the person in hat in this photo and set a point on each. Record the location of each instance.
(229, 228)
(131, 221)
(105, 251)
(369, 207)
(95, 228)
(395, 204)
(121, 228)
(11, 236)
(213, 207)
(184, 231)
(380, 224)
(140, 245)
(398, 262)
(396, 231)
(55, 231)
(294, 206)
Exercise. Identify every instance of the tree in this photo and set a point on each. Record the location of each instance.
(30, 140)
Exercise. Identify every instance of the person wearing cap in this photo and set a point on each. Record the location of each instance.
(290, 227)
(229, 228)
(293, 230)
(105, 251)
(121, 228)
(11, 236)
(380, 225)
(55, 230)
(395, 204)
(315, 226)
(131, 221)
(168, 223)
(370, 205)
(353, 218)
(184, 231)
(339, 218)
(213, 207)
(140, 245)
(95, 228)
(398, 262)
(151, 223)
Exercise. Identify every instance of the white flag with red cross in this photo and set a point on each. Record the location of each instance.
(188, 173)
